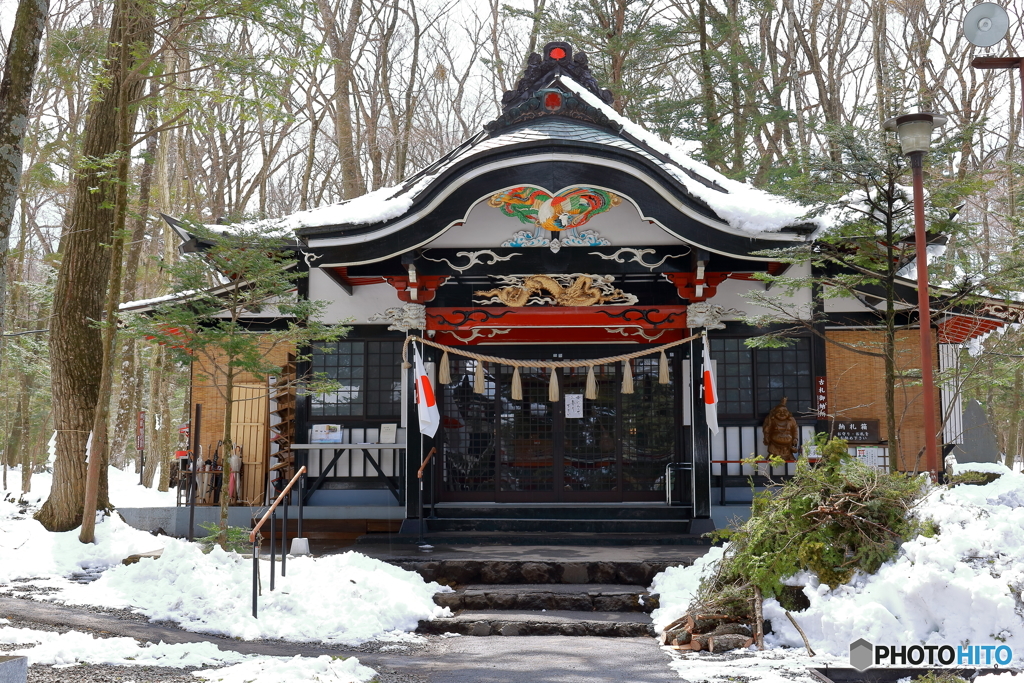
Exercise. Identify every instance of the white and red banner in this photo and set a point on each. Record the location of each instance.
(426, 403)
(710, 390)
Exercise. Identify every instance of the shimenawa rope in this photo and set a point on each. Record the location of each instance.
(590, 392)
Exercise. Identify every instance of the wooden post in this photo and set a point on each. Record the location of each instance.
(701, 441)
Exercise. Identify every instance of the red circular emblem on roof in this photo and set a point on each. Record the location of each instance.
(557, 53)
(552, 101)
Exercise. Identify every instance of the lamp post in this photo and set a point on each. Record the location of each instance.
(915, 134)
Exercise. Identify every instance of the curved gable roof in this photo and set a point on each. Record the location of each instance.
(556, 129)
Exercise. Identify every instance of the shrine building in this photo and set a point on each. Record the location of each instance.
(559, 235)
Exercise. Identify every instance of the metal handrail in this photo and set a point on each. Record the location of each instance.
(253, 537)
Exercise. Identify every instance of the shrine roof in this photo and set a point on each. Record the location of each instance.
(726, 204)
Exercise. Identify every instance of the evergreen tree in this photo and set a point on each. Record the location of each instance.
(237, 274)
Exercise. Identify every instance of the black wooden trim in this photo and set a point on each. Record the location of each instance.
(554, 174)
(338, 280)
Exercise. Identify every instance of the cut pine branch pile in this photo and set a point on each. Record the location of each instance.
(707, 632)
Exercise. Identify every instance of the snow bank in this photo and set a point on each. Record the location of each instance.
(346, 599)
(676, 587)
(31, 552)
(75, 647)
(962, 586)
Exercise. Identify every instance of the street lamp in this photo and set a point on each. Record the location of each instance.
(915, 134)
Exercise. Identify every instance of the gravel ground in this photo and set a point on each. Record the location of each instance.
(101, 673)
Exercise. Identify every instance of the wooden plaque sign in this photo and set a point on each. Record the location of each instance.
(140, 431)
(856, 431)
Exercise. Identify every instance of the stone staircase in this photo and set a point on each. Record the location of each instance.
(533, 598)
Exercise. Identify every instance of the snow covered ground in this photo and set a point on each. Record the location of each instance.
(963, 586)
(125, 490)
(343, 599)
(75, 647)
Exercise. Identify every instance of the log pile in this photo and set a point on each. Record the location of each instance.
(707, 632)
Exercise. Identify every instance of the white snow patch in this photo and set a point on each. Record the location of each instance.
(125, 489)
(75, 647)
(323, 669)
(676, 587)
(347, 599)
(991, 467)
(962, 586)
(770, 666)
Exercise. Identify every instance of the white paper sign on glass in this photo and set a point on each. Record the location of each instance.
(574, 405)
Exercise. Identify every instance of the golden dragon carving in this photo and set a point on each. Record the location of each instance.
(581, 292)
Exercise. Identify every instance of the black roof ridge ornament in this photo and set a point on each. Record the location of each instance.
(557, 60)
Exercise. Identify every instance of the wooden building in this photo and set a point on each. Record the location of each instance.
(562, 232)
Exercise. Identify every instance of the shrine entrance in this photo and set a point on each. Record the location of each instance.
(613, 448)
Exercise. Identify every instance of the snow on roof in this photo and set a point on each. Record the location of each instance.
(146, 303)
(741, 205)
(373, 207)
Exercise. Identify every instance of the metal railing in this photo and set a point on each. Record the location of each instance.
(255, 538)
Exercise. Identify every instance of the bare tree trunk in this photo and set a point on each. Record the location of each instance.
(892, 433)
(341, 54)
(167, 434)
(226, 449)
(153, 415)
(85, 271)
(126, 404)
(1011, 441)
(95, 486)
(17, 448)
(15, 99)
(405, 134)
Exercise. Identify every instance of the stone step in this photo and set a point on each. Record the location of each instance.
(546, 538)
(466, 572)
(607, 511)
(556, 525)
(569, 597)
(552, 623)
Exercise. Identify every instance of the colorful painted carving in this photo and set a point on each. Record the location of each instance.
(567, 209)
(558, 290)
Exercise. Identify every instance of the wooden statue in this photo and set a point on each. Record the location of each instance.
(781, 435)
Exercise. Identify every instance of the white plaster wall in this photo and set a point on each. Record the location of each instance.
(735, 294)
(356, 309)
(487, 227)
(845, 304)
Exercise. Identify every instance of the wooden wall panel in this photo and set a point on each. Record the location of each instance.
(250, 419)
(249, 430)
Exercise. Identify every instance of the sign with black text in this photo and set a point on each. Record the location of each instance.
(856, 431)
